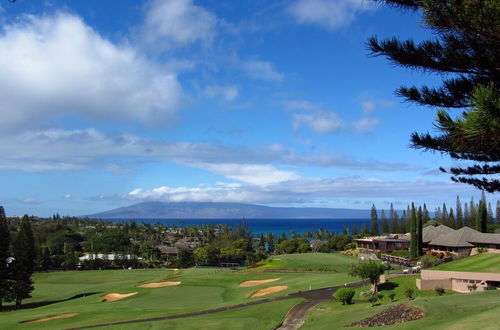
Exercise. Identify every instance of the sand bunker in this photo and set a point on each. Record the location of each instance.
(266, 291)
(248, 284)
(117, 296)
(158, 284)
(50, 318)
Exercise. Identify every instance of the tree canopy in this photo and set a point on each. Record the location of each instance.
(465, 54)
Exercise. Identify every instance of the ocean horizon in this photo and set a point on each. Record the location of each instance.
(264, 226)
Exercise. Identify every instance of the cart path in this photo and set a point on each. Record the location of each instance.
(313, 297)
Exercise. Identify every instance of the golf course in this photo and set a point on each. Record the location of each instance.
(73, 299)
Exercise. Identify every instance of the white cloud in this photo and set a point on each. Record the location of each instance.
(308, 191)
(370, 105)
(321, 122)
(228, 93)
(60, 150)
(177, 22)
(329, 14)
(56, 65)
(365, 124)
(252, 173)
(262, 70)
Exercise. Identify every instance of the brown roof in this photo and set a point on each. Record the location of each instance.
(431, 232)
(458, 238)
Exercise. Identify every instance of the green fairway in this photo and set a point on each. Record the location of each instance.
(451, 312)
(479, 263)
(201, 288)
(334, 262)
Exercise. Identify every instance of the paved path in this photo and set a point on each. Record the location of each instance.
(295, 316)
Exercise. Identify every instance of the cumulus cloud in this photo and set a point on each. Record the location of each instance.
(177, 22)
(306, 191)
(262, 70)
(228, 93)
(57, 65)
(329, 14)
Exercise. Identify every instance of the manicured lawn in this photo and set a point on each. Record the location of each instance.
(258, 317)
(201, 288)
(479, 263)
(308, 262)
(457, 312)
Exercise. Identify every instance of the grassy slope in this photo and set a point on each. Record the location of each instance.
(201, 289)
(478, 263)
(453, 312)
(308, 261)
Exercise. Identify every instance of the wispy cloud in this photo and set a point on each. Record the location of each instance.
(329, 14)
(56, 65)
(228, 93)
(176, 23)
(321, 122)
(262, 70)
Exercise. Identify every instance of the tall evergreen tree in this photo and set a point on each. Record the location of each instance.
(438, 215)
(394, 220)
(23, 266)
(467, 220)
(425, 214)
(445, 217)
(459, 219)
(4, 254)
(374, 221)
(385, 224)
(465, 52)
(497, 215)
(420, 225)
(413, 233)
(451, 219)
(491, 219)
(482, 218)
(473, 212)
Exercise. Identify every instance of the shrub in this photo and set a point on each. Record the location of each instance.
(481, 250)
(372, 300)
(345, 295)
(439, 291)
(429, 261)
(380, 296)
(392, 296)
(410, 293)
(490, 288)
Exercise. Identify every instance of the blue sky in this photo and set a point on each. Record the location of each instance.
(106, 104)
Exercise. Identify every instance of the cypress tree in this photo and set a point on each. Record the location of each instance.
(466, 215)
(394, 220)
(437, 214)
(374, 221)
(23, 266)
(445, 217)
(464, 52)
(420, 225)
(459, 217)
(4, 254)
(473, 212)
(385, 224)
(413, 233)
(497, 218)
(482, 218)
(425, 214)
(490, 214)
(451, 220)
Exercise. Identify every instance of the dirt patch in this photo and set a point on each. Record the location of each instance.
(158, 284)
(117, 296)
(396, 314)
(50, 318)
(266, 291)
(248, 284)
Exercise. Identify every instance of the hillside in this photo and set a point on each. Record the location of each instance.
(198, 210)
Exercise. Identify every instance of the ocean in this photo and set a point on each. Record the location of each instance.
(264, 226)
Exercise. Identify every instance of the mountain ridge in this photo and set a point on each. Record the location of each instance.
(215, 210)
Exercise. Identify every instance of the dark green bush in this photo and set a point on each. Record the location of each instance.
(439, 291)
(345, 295)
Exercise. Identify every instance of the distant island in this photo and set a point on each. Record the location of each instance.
(208, 210)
